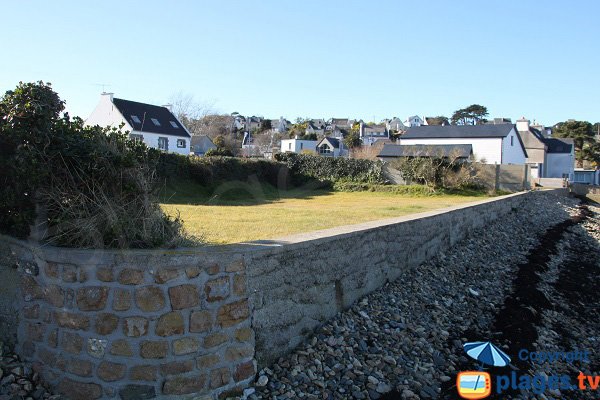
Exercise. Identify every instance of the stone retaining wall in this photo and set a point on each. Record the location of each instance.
(143, 324)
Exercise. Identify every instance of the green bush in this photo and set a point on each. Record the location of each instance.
(219, 152)
(209, 171)
(333, 169)
(85, 186)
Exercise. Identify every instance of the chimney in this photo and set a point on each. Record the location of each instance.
(168, 107)
(107, 95)
(523, 125)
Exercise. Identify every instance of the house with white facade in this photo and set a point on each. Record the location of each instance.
(413, 121)
(547, 157)
(394, 124)
(369, 134)
(298, 145)
(331, 147)
(156, 126)
(491, 144)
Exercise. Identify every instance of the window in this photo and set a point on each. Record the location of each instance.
(289, 146)
(174, 124)
(155, 121)
(301, 146)
(512, 140)
(181, 143)
(163, 143)
(136, 119)
(136, 138)
(324, 149)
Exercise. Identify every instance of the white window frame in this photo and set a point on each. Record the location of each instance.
(181, 143)
(163, 140)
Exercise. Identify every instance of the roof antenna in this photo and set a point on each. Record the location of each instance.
(104, 86)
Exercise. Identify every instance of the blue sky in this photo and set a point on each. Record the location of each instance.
(320, 59)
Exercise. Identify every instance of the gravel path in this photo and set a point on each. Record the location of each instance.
(405, 340)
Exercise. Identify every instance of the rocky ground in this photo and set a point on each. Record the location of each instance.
(405, 340)
(529, 280)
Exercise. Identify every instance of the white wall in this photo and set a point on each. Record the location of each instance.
(512, 151)
(151, 140)
(106, 114)
(558, 164)
(296, 146)
(483, 148)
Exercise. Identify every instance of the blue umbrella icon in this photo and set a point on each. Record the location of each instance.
(487, 353)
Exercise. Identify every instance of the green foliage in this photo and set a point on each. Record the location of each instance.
(333, 169)
(265, 125)
(218, 152)
(209, 171)
(85, 186)
(472, 115)
(219, 141)
(582, 134)
(352, 139)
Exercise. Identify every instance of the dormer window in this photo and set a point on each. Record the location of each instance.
(174, 124)
(155, 121)
(135, 119)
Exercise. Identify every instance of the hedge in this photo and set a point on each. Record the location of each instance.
(334, 169)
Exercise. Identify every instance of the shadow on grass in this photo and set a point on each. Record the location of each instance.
(236, 193)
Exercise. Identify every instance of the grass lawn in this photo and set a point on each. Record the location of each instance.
(244, 212)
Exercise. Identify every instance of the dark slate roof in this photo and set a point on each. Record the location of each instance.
(424, 150)
(334, 142)
(562, 145)
(145, 113)
(458, 131)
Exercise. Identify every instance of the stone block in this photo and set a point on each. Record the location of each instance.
(92, 298)
(105, 274)
(236, 266)
(215, 340)
(154, 349)
(165, 275)
(121, 300)
(244, 334)
(35, 331)
(236, 353)
(55, 296)
(239, 285)
(217, 289)
(81, 368)
(31, 312)
(130, 276)
(51, 270)
(244, 371)
(207, 361)
(121, 347)
(69, 273)
(176, 367)
(135, 326)
(110, 372)
(233, 313)
(106, 323)
(185, 346)
(137, 392)
(192, 272)
(170, 324)
(79, 390)
(184, 385)
(71, 342)
(200, 321)
(150, 298)
(219, 377)
(184, 296)
(143, 373)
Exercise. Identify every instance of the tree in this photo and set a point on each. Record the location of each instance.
(265, 125)
(352, 140)
(439, 120)
(583, 138)
(219, 141)
(473, 115)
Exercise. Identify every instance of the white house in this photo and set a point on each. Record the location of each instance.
(413, 121)
(297, 145)
(156, 126)
(331, 147)
(548, 157)
(492, 144)
(369, 134)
